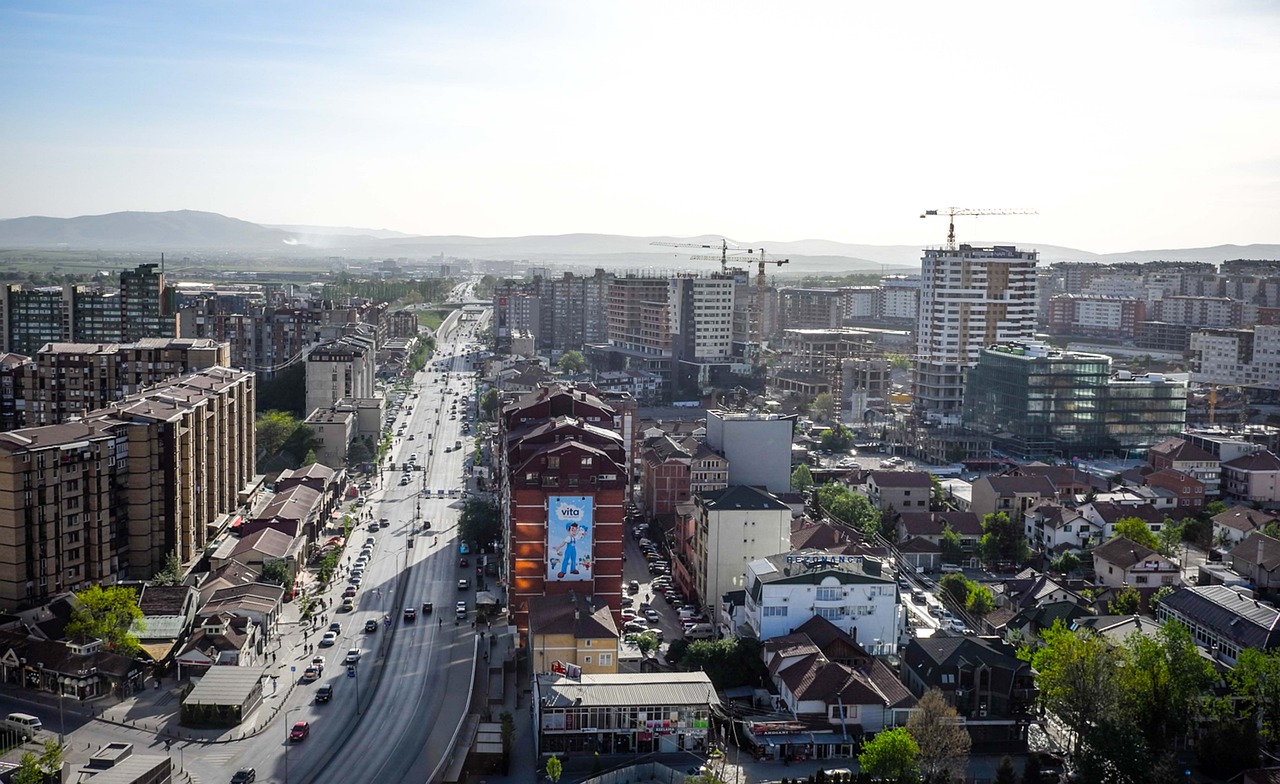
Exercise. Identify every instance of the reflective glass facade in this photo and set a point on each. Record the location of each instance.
(1036, 401)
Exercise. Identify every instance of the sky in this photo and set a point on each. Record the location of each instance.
(1124, 125)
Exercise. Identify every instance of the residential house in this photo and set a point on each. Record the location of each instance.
(1123, 562)
(259, 602)
(1232, 526)
(899, 491)
(1011, 494)
(1067, 480)
(834, 687)
(79, 670)
(1258, 558)
(572, 629)
(853, 592)
(1053, 528)
(1026, 626)
(1222, 620)
(673, 470)
(1184, 456)
(1186, 491)
(930, 526)
(991, 688)
(1105, 515)
(222, 639)
(1253, 479)
(297, 511)
(264, 546)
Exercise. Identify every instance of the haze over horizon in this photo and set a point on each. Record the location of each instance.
(1133, 125)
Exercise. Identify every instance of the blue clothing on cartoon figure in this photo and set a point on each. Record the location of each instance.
(569, 563)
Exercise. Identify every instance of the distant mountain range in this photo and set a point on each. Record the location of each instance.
(191, 231)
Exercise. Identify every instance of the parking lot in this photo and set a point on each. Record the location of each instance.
(648, 596)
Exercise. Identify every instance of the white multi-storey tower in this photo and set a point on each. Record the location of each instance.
(970, 298)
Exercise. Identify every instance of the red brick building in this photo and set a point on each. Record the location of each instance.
(563, 480)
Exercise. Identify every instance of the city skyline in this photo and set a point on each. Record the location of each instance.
(1141, 125)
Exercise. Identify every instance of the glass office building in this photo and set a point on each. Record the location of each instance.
(1038, 401)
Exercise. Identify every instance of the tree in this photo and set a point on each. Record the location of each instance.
(1134, 529)
(801, 479)
(273, 429)
(1066, 563)
(1170, 538)
(554, 769)
(898, 361)
(1002, 540)
(823, 407)
(276, 572)
(1127, 602)
(1214, 508)
(108, 614)
(310, 458)
(34, 769)
(1255, 683)
(836, 439)
(955, 587)
(952, 545)
(1078, 676)
(728, 663)
(942, 741)
(572, 362)
(1112, 752)
(1165, 677)
(480, 521)
(171, 574)
(647, 642)
(1005, 772)
(1160, 594)
(489, 402)
(891, 756)
(937, 496)
(979, 602)
(849, 507)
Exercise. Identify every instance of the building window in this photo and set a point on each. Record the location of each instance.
(772, 611)
(1140, 579)
(948, 679)
(606, 659)
(828, 594)
(586, 660)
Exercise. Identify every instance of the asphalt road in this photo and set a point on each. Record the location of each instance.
(396, 718)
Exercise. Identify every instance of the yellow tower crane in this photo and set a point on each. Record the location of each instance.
(952, 212)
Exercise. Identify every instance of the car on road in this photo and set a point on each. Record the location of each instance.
(349, 592)
(335, 627)
(353, 656)
(464, 584)
(324, 693)
(244, 776)
(651, 616)
(373, 526)
(460, 610)
(370, 626)
(371, 541)
(411, 613)
(463, 563)
(427, 607)
(300, 731)
(318, 663)
(310, 674)
(917, 596)
(328, 639)
(348, 604)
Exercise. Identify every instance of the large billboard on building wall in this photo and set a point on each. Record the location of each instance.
(569, 522)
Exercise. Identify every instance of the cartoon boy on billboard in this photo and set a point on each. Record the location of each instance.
(574, 532)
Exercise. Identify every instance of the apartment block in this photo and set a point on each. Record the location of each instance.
(860, 302)
(109, 497)
(563, 480)
(732, 528)
(342, 368)
(810, 308)
(1236, 357)
(900, 298)
(72, 379)
(1097, 316)
(971, 298)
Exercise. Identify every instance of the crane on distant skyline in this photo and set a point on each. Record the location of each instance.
(952, 212)
(725, 247)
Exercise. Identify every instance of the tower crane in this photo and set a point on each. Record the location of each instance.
(952, 212)
(725, 247)
(762, 287)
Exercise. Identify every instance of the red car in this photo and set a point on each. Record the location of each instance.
(300, 731)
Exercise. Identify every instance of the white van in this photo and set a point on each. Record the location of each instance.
(701, 631)
(24, 724)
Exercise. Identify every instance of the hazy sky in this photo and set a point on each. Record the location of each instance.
(1126, 125)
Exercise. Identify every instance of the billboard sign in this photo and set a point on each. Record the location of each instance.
(569, 523)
